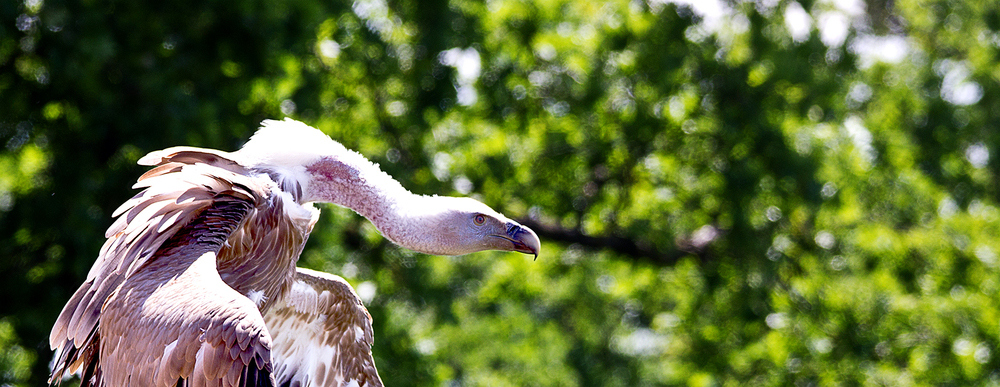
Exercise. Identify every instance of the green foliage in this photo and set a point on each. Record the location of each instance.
(16, 359)
(795, 208)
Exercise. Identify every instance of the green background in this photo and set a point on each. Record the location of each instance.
(724, 198)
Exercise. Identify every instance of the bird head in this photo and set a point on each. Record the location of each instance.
(465, 225)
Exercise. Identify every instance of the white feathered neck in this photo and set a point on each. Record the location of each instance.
(289, 148)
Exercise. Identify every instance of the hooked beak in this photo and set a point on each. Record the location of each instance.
(523, 239)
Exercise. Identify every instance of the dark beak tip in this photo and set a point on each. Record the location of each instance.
(532, 251)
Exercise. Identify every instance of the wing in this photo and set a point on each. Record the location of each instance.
(322, 334)
(176, 193)
(181, 325)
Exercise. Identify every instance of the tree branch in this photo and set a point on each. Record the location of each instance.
(695, 245)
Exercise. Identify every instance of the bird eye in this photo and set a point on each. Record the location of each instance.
(479, 219)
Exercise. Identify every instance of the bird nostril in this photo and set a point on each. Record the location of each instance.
(512, 228)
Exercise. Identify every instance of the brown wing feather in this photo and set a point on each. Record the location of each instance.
(190, 155)
(322, 334)
(175, 194)
(162, 327)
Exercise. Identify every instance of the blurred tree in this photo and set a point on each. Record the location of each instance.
(767, 193)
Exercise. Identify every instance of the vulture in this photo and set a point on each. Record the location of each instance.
(197, 283)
